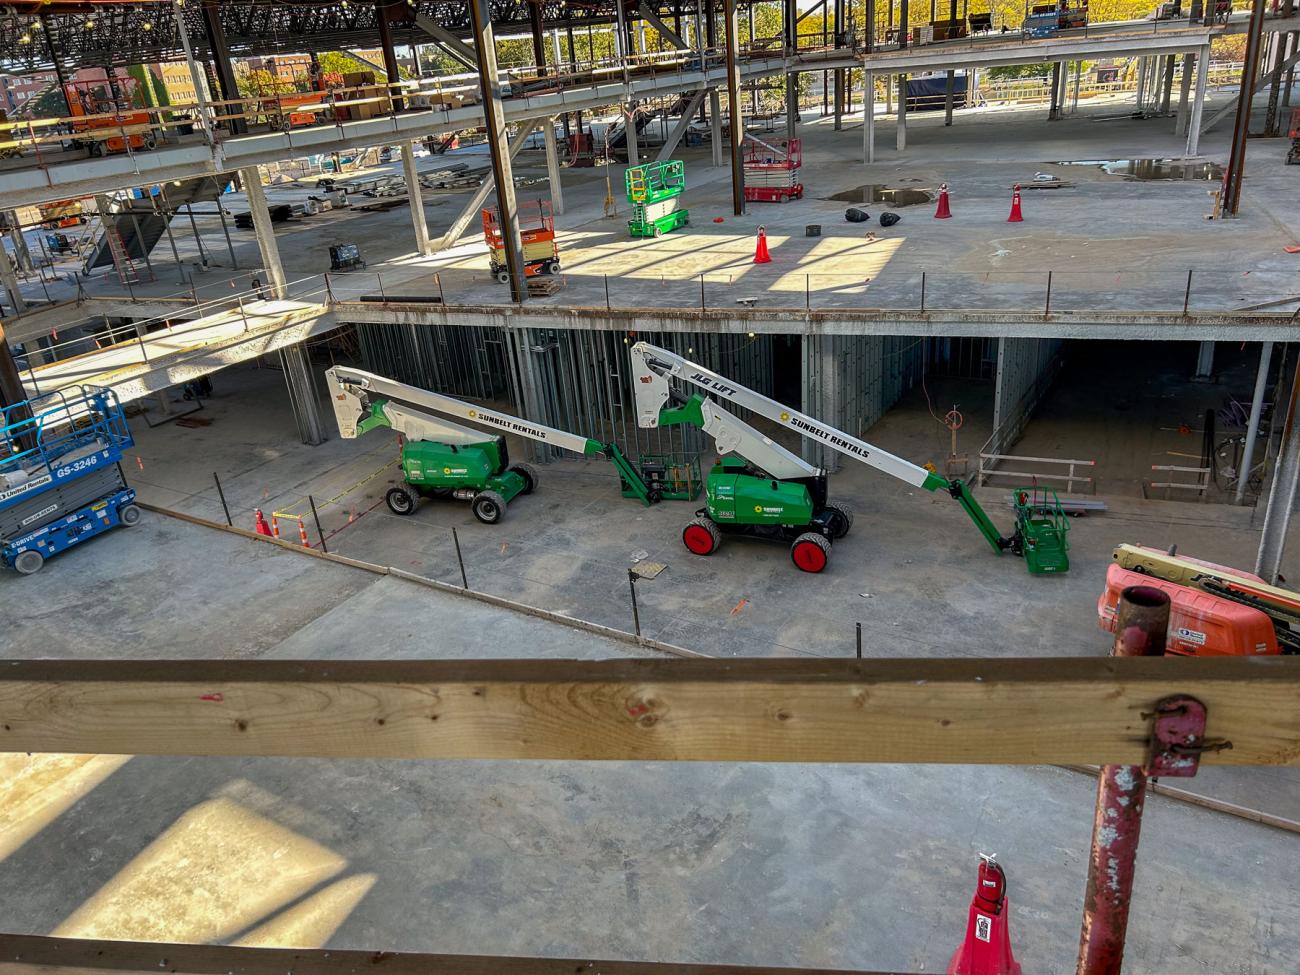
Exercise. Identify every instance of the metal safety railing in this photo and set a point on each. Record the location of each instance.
(988, 469)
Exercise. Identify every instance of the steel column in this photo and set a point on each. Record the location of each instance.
(414, 193)
(538, 31)
(1198, 101)
(790, 26)
(11, 384)
(553, 166)
(498, 147)
(735, 112)
(1280, 41)
(1167, 94)
(222, 69)
(1140, 631)
(383, 11)
(950, 83)
(264, 229)
(1054, 109)
(1281, 495)
(1231, 201)
(1252, 425)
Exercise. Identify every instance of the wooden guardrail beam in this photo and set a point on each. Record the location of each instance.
(35, 955)
(1008, 711)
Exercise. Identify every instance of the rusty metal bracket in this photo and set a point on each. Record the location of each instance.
(1178, 737)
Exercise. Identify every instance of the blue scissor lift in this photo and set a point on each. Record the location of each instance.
(60, 477)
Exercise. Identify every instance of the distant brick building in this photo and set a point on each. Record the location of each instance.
(16, 90)
(177, 81)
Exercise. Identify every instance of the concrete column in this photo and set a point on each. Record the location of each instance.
(1141, 80)
(715, 125)
(869, 117)
(1281, 497)
(415, 194)
(1198, 101)
(1078, 84)
(1252, 425)
(262, 226)
(949, 82)
(889, 93)
(22, 254)
(10, 281)
(302, 393)
(553, 166)
(1184, 89)
(902, 112)
(1205, 362)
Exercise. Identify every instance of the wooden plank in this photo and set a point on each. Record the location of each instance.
(34, 955)
(1081, 711)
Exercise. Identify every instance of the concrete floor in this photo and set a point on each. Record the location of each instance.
(1109, 242)
(795, 865)
(842, 866)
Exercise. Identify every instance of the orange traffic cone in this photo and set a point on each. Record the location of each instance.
(275, 526)
(302, 534)
(986, 949)
(259, 523)
(1016, 216)
(761, 256)
(942, 211)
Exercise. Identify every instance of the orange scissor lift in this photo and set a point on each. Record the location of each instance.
(110, 105)
(536, 231)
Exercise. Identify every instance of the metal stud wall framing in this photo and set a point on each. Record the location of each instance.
(572, 379)
(850, 381)
(1025, 370)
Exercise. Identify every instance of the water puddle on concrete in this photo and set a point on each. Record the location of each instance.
(1151, 169)
(894, 196)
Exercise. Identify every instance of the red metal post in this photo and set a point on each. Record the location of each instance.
(1141, 628)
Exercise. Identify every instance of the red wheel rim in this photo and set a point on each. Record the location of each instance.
(809, 556)
(698, 539)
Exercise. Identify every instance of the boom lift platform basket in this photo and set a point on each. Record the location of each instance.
(61, 481)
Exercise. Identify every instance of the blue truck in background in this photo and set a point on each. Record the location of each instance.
(61, 480)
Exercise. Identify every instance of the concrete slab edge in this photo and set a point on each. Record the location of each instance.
(622, 636)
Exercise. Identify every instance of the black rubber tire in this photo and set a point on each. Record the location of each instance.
(488, 507)
(811, 538)
(708, 526)
(29, 562)
(503, 276)
(842, 520)
(401, 500)
(529, 473)
(658, 232)
(552, 267)
(129, 515)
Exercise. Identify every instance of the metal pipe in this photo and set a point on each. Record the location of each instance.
(1252, 425)
(1141, 628)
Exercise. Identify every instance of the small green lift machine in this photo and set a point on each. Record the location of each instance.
(655, 192)
(760, 489)
(441, 458)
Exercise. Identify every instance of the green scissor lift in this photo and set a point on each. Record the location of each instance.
(655, 192)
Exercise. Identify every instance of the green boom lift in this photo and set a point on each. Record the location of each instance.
(757, 487)
(441, 458)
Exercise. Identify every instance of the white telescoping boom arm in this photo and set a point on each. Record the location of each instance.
(355, 393)
(652, 366)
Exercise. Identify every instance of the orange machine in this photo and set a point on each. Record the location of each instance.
(108, 104)
(1214, 611)
(537, 231)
